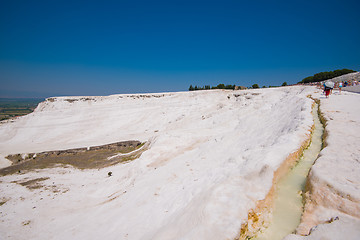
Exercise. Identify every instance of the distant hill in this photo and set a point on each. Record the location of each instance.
(321, 76)
(347, 77)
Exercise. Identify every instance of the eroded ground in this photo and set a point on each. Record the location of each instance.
(82, 158)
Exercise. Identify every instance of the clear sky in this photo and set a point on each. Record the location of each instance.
(52, 48)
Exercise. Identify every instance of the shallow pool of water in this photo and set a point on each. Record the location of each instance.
(288, 204)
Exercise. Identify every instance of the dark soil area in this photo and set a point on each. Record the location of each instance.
(82, 158)
(34, 183)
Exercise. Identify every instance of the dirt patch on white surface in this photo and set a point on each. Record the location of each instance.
(82, 158)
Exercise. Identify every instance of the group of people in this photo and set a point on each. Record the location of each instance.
(328, 86)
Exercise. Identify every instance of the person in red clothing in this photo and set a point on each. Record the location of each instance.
(328, 86)
(327, 91)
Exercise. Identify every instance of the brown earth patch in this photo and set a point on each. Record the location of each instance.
(82, 158)
(33, 183)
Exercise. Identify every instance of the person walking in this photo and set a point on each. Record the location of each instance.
(329, 85)
(327, 91)
(340, 86)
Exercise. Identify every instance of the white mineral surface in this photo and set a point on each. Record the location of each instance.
(211, 156)
(332, 210)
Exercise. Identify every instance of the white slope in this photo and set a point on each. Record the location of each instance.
(332, 210)
(347, 77)
(212, 155)
(355, 89)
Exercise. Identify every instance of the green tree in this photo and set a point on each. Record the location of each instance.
(191, 88)
(321, 76)
(284, 84)
(230, 87)
(220, 86)
(255, 85)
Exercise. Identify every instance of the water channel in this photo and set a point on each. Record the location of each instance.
(288, 205)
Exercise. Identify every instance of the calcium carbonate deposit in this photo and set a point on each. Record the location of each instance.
(209, 158)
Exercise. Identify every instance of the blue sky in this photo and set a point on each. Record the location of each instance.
(52, 48)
